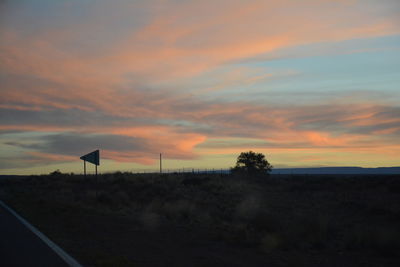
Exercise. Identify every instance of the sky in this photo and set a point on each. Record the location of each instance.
(307, 83)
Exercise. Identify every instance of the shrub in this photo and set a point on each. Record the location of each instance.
(252, 163)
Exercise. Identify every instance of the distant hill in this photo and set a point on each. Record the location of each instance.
(11, 176)
(319, 170)
(337, 170)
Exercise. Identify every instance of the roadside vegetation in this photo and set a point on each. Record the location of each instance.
(125, 219)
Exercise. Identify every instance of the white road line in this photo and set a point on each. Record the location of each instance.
(60, 252)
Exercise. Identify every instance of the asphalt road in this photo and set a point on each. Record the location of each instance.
(19, 246)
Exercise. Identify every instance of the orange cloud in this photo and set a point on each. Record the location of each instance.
(141, 85)
(323, 139)
(179, 41)
(170, 142)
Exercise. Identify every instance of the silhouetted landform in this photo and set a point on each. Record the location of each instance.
(338, 170)
(186, 219)
(325, 170)
(11, 176)
(319, 170)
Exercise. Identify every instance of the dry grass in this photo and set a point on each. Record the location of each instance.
(345, 219)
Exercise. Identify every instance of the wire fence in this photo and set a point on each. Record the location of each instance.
(181, 171)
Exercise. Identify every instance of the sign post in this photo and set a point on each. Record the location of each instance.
(84, 167)
(92, 157)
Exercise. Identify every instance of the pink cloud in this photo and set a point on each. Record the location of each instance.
(180, 42)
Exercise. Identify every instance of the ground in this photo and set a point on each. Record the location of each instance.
(124, 219)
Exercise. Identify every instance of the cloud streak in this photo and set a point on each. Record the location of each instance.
(136, 79)
(336, 126)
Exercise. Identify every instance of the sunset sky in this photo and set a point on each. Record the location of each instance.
(308, 83)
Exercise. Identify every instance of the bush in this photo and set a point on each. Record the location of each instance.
(252, 163)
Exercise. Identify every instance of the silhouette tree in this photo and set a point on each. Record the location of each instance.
(252, 163)
(55, 173)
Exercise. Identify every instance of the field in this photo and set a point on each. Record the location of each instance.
(124, 219)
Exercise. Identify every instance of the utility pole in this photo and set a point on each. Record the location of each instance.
(160, 163)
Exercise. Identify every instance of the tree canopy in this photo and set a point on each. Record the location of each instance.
(252, 163)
